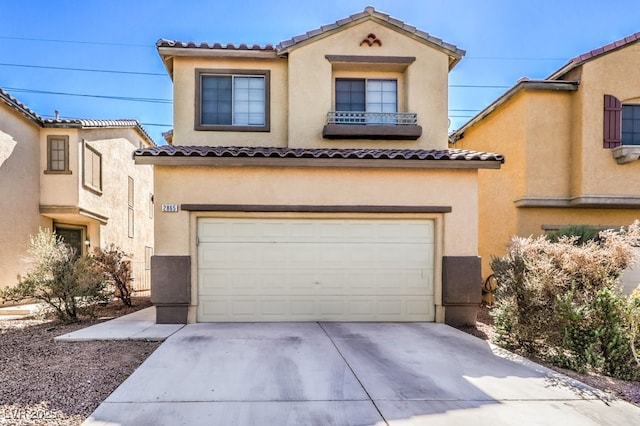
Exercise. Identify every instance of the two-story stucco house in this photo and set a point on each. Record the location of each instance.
(311, 180)
(76, 177)
(571, 144)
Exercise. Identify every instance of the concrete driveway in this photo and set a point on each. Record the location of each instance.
(347, 374)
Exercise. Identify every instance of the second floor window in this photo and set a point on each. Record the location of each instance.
(237, 101)
(630, 124)
(374, 98)
(358, 94)
(57, 154)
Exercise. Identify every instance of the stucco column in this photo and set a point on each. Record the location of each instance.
(461, 289)
(171, 288)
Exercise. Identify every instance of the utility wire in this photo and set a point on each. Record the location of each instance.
(77, 42)
(83, 69)
(479, 86)
(119, 98)
(101, 43)
(499, 58)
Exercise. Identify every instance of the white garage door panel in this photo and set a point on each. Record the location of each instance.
(301, 308)
(395, 256)
(304, 282)
(304, 269)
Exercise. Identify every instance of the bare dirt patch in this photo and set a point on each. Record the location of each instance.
(623, 389)
(43, 382)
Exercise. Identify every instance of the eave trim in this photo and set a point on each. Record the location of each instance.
(315, 162)
(268, 208)
(584, 201)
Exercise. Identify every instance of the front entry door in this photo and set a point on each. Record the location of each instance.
(72, 237)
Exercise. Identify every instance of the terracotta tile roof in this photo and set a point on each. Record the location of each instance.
(70, 122)
(282, 48)
(581, 59)
(370, 11)
(363, 154)
(19, 107)
(227, 46)
(82, 123)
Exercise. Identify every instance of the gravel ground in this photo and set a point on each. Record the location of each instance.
(629, 391)
(43, 382)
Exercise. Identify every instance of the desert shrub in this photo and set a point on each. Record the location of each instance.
(70, 285)
(561, 301)
(116, 269)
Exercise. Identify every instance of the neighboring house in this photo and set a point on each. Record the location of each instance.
(312, 181)
(571, 144)
(76, 177)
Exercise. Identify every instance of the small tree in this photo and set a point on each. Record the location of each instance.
(116, 269)
(68, 284)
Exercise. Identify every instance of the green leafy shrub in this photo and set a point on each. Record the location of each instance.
(68, 284)
(561, 301)
(583, 233)
(116, 269)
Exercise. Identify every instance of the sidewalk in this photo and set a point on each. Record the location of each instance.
(140, 325)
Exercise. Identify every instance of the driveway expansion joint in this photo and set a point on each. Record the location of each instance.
(354, 375)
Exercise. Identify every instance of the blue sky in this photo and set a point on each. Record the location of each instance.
(115, 40)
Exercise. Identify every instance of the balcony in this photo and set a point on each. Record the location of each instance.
(372, 125)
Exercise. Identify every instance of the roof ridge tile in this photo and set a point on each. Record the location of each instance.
(594, 53)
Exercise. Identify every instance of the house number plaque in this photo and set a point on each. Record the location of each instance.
(170, 208)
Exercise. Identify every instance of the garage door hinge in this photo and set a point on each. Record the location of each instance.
(197, 241)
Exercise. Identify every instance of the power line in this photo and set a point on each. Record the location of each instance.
(505, 58)
(119, 98)
(77, 42)
(83, 69)
(479, 86)
(157, 124)
(102, 43)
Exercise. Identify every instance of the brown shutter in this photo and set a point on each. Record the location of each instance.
(612, 122)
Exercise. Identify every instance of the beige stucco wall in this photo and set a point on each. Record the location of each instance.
(617, 74)
(316, 186)
(503, 132)
(116, 147)
(19, 191)
(552, 142)
(456, 232)
(184, 92)
(302, 90)
(548, 144)
(25, 188)
(422, 86)
(533, 219)
(60, 189)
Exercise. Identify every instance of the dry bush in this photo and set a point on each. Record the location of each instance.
(561, 301)
(113, 262)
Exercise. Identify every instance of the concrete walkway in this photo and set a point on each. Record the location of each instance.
(140, 325)
(348, 374)
(19, 311)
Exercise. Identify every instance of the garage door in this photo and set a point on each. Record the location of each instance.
(315, 270)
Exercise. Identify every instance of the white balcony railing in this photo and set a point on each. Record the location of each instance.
(373, 118)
